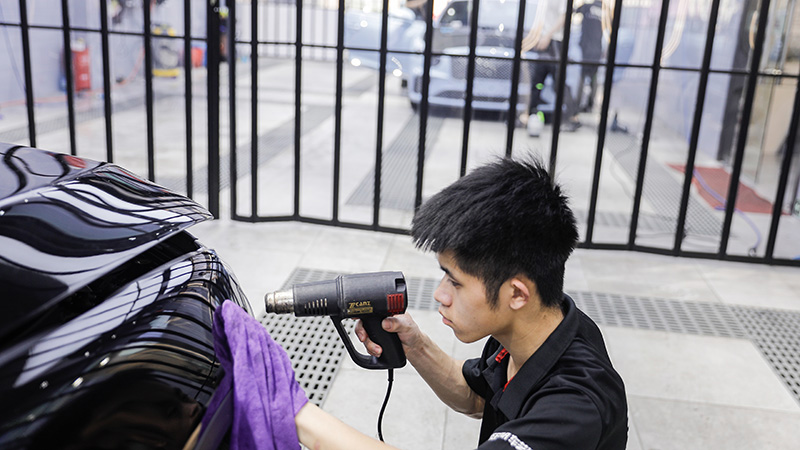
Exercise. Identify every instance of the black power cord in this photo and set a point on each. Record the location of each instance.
(385, 401)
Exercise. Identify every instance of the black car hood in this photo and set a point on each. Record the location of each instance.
(67, 221)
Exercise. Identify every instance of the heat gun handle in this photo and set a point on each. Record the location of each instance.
(392, 356)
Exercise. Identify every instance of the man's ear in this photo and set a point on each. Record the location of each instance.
(521, 293)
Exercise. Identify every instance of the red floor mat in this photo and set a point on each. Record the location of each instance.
(714, 189)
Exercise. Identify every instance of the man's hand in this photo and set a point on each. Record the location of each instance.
(402, 324)
(437, 368)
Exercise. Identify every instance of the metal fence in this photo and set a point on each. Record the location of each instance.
(335, 112)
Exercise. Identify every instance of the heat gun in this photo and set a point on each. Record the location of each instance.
(370, 297)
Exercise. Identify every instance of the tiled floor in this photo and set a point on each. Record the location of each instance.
(685, 391)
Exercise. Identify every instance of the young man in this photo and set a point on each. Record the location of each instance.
(502, 235)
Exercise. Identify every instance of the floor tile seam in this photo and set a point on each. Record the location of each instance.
(795, 412)
(444, 429)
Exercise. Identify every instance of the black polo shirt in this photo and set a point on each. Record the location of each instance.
(567, 395)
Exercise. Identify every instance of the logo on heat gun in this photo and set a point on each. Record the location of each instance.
(359, 308)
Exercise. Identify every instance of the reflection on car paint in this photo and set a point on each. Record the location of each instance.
(106, 338)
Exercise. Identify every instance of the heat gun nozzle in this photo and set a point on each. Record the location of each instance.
(280, 302)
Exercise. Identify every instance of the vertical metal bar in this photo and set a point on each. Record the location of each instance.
(106, 80)
(231, 57)
(253, 108)
(560, 83)
(511, 120)
(212, 89)
(783, 180)
(337, 113)
(148, 90)
(423, 104)
(603, 126)
(188, 92)
(68, 73)
(26, 61)
(648, 123)
(298, 103)
(744, 126)
(473, 43)
(376, 198)
(695, 136)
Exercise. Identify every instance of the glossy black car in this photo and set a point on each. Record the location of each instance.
(107, 306)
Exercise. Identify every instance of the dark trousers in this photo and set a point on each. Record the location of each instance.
(539, 72)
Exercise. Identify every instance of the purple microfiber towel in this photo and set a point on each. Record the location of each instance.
(266, 394)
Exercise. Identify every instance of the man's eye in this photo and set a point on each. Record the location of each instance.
(454, 283)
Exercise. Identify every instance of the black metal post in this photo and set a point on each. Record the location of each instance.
(298, 102)
(648, 123)
(337, 125)
(148, 90)
(376, 197)
(230, 56)
(695, 136)
(511, 120)
(26, 61)
(188, 93)
(473, 43)
(783, 180)
(69, 74)
(106, 81)
(212, 65)
(423, 104)
(253, 110)
(603, 126)
(744, 126)
(562, 77)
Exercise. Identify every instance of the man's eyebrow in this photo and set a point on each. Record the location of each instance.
(445, 270)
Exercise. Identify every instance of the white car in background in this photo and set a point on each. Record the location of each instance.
(405, 36)
(494, 62)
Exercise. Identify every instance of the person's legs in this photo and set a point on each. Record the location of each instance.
(569, 121)
(539, 72)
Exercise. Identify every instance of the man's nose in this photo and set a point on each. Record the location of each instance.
(441, 294)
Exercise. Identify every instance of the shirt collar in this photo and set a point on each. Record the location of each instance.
(517, 391)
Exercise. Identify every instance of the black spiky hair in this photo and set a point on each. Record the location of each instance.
(503, 219)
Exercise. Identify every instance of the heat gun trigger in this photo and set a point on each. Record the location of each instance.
(392, 356)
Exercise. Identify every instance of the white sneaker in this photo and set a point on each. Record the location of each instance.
(535, 124)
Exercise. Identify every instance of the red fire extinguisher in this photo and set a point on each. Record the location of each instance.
(81, 65)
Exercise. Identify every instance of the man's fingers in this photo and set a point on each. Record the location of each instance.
(371, 347)
(374, 349)
(361, 334)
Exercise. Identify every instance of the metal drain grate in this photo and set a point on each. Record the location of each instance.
(313, 347)
(399, 168)
(647, 222)
(316, 351)
(420, 293)
(776, 333)
(708, 319)
(662, 190)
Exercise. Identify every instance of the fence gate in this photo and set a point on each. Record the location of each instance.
(671, 124)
